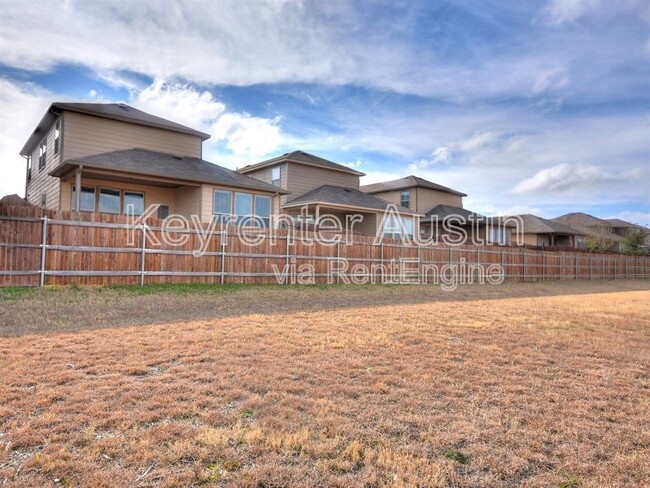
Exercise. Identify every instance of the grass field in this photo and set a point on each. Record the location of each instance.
(533, 384)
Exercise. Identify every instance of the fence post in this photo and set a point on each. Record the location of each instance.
(575, 265)
(591, 260)
(286, 261)
(224, 237)
(383, 270)
(603, 260)
(419, 264)
(543, 266)
(523, 255)
(143, 252)
(43, 251)
(615, 269)
(338, 258)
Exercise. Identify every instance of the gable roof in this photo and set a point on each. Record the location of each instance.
(537, 225)
(624, 224)
(408, 182)
(144, 162)
(301, 157)
(115, 111)
(344, 197)
(589, 225)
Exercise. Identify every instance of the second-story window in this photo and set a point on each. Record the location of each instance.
(42, 152)
(57, 136)
(275, 176)
(29, 168)
(405, 198)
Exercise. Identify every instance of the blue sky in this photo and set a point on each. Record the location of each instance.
(537, 106)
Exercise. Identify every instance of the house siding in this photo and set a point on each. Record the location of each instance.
(85, 135)
(264, 174)
(303, 178)
(41, 183)
(422, 199)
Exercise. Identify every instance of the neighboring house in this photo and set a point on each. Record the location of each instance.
(479, 229)
(541, 232)
(622, 227)
(417, 194)
(120, 156)
(594, 227)
(324, 187)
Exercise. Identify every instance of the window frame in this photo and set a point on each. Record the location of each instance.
(408, 198)
(42, 154)
(73, 203)
(221, 215)
(119, 201)
(132, 192)
(265, 219)
(57, 136)
(276, 181)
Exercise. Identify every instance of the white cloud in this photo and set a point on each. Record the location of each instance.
(243, 135)
(521, 210)
(550, 79)
(439, 155)
(21, 107)
(567, 177)
(479, 140)
(564, 11)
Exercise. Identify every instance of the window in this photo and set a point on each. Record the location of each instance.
(42, 151)
(87, 203)
(394, 226)
(275, 176)
(29, 168)
(133, 202)
(243, 207)
(57, 136)
(498, 236)
(405, 198)
(222, 204)
(109, 201)
(263, 209)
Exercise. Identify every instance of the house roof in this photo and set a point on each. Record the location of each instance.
(443, 212)
(150, 163)
(588, 225)
(344, 197)
(408, 182)
(624, 224)
(115, 111)
(301, 157)
(537, 225)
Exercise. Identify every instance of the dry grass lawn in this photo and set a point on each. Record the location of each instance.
(513, 387)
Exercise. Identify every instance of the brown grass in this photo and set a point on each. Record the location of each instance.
(538, 389)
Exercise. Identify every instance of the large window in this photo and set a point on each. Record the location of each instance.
(87, 203)
(405, 198)
(29, 168)
(133, 203)
(42, 153)
(57, 136)
(275, 176)
(498, 235)
(109, 201)
(263, 209)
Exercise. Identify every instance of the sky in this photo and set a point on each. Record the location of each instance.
(528, 107)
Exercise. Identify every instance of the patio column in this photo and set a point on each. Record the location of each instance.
(77, 185)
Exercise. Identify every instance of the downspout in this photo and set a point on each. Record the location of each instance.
(26, 173)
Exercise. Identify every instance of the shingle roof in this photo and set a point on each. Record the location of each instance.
(347, 197)
(625, 224)
(115, 111)
(588, 225)
(408, 182)
(443, 212)
(301, 157)
(537, 225)
(143, 162)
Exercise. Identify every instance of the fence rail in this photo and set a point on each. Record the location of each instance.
(69, 248)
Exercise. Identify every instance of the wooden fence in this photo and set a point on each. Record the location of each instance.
(39, 248)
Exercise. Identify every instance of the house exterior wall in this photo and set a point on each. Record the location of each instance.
(85, 135)
(264, 174)
(422, 199)
(41, 183)
(303, 178)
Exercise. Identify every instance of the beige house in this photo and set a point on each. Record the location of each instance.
(318, 187)
(467, 227)
(124, 159)
(541, 232)
(609, 231)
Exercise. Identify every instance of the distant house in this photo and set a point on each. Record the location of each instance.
(607, 230)
(107, 158)
(324, 187)
(538, 231)
(479, 229)
(417, 194)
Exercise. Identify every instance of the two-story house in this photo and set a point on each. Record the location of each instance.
(110, 158)
(324, 187)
